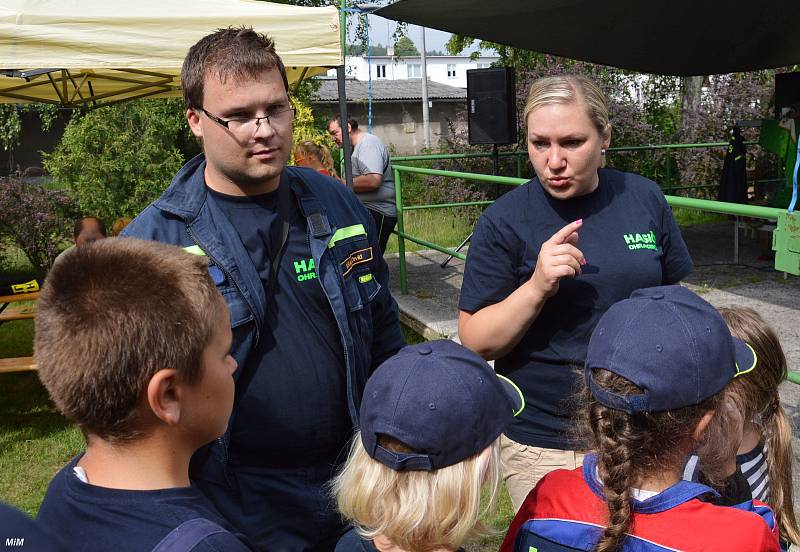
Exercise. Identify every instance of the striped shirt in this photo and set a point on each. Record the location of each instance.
(754, 467)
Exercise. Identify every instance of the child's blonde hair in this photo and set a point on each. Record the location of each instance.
(416, 510)
(308, 148)
(757, 395)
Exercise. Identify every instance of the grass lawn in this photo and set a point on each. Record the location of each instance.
(35, 440)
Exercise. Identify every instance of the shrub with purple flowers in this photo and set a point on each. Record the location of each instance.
(35, 219)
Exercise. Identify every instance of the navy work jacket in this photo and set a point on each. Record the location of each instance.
(341, 235)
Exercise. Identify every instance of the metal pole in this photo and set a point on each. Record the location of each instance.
(401, 242)
(669, 171)
(346, 147)
(736, 239)
(426, 123)
(340, 76)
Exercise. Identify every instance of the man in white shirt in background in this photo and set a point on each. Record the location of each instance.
(373, 179)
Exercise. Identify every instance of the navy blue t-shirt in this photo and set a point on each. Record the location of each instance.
(91, 518)
(352, 542)
(293, 410)
(21, 532)
(630, 241)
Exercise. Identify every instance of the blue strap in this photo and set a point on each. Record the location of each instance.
(794, 182)
(187, 535)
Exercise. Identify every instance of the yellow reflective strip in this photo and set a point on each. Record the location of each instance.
(195, 250)
(364, 279)
(348, 232)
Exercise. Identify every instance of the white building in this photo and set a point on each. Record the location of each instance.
(449, 70)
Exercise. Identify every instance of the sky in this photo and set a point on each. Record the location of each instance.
(381, 30)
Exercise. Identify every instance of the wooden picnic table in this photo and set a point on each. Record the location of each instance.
(17, 312)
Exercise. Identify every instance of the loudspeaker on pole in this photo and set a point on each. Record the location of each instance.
(491, 106)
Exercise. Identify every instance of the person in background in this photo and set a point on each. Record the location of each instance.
(657, 386)
(119, 225)
(89, 229)
(548, 258)
(431, 419)
(307, 153)
(86, 230)
(373, 179)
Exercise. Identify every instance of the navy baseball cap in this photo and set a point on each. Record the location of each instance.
(441, 400)
(670, 343)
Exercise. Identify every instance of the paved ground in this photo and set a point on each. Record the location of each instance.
(431, 305)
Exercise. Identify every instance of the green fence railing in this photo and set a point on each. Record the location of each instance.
(753, 211)
(521, 156)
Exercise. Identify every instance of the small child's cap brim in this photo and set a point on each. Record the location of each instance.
(514, 393)
(746, 358)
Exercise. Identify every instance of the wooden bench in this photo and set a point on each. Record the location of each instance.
(11, 310)
(19, 364)
(18, 312)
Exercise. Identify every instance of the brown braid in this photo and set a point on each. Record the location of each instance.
(632, 447)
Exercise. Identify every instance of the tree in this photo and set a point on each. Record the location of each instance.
(119, 158)
(405, 47)
(11, 121)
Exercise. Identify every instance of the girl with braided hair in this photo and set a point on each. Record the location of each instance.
(657, 388)
(765, 455)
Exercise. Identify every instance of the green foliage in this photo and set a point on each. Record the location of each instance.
(119, 158)
(405, 47)
(359, 50)
(307, 127)
(35, 220)
(11, 121)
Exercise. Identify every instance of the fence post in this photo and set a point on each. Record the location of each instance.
(669, 170)
(519, 165)
(401, 242)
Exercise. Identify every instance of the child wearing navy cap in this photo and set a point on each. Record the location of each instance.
(656, 389)
(133, 344)
(430, 421)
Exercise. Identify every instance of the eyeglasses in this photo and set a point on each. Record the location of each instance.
(247, 126)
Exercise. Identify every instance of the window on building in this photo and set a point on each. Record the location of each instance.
(414, 70)
(381, 71)
(451, 70)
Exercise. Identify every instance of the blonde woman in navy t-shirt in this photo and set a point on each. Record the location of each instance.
(550, 257)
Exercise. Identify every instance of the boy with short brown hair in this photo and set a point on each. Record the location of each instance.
(133, 342)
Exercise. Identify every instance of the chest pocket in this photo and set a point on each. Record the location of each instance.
(355, 260)
(237, 308)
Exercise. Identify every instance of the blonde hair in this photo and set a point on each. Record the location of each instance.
(757, 395)
(569, 89)
(119, 225)
(320, 152)
(416, 510)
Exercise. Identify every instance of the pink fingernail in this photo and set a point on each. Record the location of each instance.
(584, 262)
(579, 221)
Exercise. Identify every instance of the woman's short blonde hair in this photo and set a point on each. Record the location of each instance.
(569, 89)
(417, 510)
